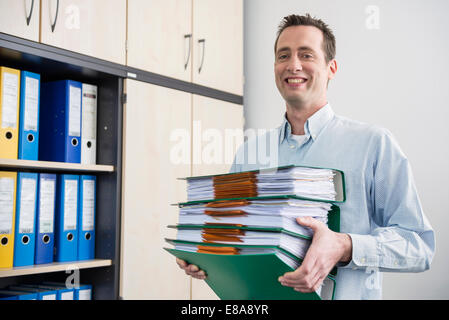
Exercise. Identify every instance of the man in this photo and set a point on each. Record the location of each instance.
(383, 227)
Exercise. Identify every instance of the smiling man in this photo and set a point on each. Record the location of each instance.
(383, 227)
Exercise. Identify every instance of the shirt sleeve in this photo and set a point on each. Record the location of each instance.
(402, 239)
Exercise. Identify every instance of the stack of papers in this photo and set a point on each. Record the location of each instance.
(253, 214)
(305, 182)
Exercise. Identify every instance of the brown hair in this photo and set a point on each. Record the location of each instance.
(328, 46)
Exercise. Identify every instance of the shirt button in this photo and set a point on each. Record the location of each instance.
(363, 260)
(396, 262)
(292, 147)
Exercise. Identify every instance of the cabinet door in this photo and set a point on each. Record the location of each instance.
(159, 37)
(218, 44)
(157, 126)
(217, 133)
(95, 28)
(20, 18)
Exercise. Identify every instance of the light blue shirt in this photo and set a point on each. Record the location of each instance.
(382, 212)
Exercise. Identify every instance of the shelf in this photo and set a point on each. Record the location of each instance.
(54, 267)
(54, 166)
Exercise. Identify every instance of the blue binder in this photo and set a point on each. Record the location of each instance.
(81, 291)
(60, 121)
(66, 220)
(42, 294)
(86, 217)
(26, 204)
(62, 293)
(29, 115)
(17, 295)
(45, 218)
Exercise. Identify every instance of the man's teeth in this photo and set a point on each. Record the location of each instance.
(296, 80)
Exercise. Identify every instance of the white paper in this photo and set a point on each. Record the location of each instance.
(31, 103)
(70, 204)
(88, 204)
(27, 205)
(74, 111)
(85, 294)
(9, 100)
(47, 205)
(6, 205)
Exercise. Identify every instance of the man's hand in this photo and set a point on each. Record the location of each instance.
(327, 248)
(191, 269)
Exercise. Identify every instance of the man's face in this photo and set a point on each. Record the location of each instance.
(300, 67)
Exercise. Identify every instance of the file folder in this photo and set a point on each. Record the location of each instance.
(29, 116)
(89, 124)
(66, 232)
(26, 204)
(7, 217)
(241, 277)
(42, 294)
(17, 295)
(9, 112)
(86, 217)
(60, 121)
(45, 218)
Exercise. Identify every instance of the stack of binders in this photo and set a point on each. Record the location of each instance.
(46, 217)
(234, 223)
(53, 121)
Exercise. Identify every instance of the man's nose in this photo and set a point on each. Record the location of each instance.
(294, 65)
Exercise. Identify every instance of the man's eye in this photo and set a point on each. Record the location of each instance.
(282, 57)
(307, 56)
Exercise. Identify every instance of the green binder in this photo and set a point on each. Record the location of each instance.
(249, 277)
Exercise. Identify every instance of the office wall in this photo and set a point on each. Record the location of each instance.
(392, 71)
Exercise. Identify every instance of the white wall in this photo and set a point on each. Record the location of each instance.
(395, 76)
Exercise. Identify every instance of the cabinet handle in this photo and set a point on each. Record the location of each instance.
(31, 12)
(187, 36)
(53, 25)
(202, 41)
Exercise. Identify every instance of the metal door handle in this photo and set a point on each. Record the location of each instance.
(28, 17)
(187, 36)
(53, 25)
(202, 41)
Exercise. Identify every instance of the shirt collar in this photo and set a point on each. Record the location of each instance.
(313, 125)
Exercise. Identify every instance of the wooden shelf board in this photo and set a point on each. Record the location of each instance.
(51, 165)
(53, 267)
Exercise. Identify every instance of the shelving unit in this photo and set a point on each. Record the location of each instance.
(57, 64)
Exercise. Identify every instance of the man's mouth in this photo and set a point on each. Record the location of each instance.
(295, 80)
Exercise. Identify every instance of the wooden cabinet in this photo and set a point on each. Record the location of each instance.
(218, 44)
(94, 28)
(20, 18)
(157, 121)
(159, 37)
(199, 41)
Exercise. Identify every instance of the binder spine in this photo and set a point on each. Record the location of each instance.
(45, 218)
(24, 244)
(86, 217)
(29, 116)
(66, 232)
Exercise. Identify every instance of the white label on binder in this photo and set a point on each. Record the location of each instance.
(74, 111)
(88, 204)
(31, 103)
(85, 294)
(6, 205)
(70, 204)
(9, 100)
(27, 205)
(49, 297)
(89, 126)
(47, 205)
(67, 295)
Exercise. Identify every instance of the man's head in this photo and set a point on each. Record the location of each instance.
(304, 60)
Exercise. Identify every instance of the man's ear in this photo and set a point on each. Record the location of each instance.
(332, 69)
